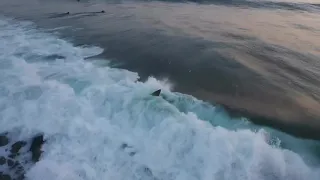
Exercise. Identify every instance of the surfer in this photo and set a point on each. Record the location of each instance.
(156, 93)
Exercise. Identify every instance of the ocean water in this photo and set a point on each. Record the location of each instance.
(87, 113)
(96, 114)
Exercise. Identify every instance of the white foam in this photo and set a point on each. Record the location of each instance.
(87, 113)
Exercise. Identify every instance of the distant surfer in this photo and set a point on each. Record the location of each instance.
(58, 15)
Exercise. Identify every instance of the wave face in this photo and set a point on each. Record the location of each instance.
(100, 123)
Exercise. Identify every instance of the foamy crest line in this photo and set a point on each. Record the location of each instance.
(100, 123)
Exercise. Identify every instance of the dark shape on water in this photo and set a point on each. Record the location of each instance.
(10, 162)
(17, 146)
(124, 145)
(18, 171)
(3, 140)
(147, 171)
(156, 93)
(35, 147)
(16, 165)
(5, 177)
(102, 11)
(58, 15)
(2, 160)
(13, 155)
(21, 177)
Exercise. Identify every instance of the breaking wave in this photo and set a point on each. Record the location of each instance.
(101, 123)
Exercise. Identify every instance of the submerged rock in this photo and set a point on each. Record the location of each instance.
(15, 148)
(14, 155)
(35, 147)
(21, 177)
(16, 165)
(17, 170)
(5, 177)
(20, 170)
(3, 140)
(2, 160)
(10, 162)
(13, 164)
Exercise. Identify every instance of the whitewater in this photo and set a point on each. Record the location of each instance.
(100, 122)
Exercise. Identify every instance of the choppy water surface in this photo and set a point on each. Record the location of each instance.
(81, 82)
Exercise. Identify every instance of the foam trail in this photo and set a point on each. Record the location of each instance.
(100, 123)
